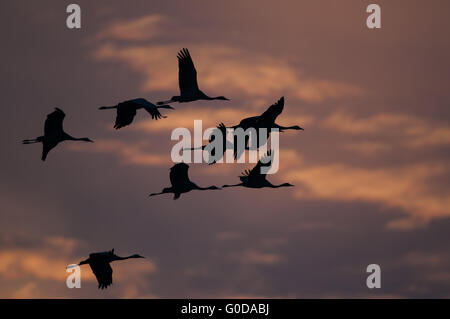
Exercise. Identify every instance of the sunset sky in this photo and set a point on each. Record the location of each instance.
(371, 170)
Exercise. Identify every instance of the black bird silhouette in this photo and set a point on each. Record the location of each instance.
(100, 265)
(187, 80)
(213, 155)
(54, 133)
(255, 178)
(126, 111)
(265, 120)
(180, 182)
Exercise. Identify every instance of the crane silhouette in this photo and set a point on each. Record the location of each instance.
(100, 265)
(265, 120)
(187, 81)
(180, 182)
(214, 155)
(126, 111)
(54, 133)
(255, 178)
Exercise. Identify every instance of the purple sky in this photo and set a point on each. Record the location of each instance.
(371, 170)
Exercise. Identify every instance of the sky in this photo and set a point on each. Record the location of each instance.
(371, 169)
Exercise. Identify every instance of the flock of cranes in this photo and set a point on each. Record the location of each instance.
(179, 178)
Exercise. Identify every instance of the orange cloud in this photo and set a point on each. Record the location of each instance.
(368, 148)
(406, 187)
(40, 263)
(222, 69)
(414, 132)
(261, 258)
(143, 28)
(28, 291)
(39, 266)
(427, 135)
(348, 123)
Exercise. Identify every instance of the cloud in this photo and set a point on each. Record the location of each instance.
(28, 291)
(408, 187)
(427, 135)
(67, 245)
(413, 131)
(130, 275)
(349, 123)
(143, 28)
(368, 148)
(222, 69)
(260, 258)
(46, 263)
(424, 259)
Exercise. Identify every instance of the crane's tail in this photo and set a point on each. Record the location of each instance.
(155, 194)
(30, 141)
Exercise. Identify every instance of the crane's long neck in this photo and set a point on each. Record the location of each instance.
(124, 258)
(84, 262)
(240, 184)
(278, 186)
(176, 98)
(206, 97)
(293, 127)
(68, 137)
(107, 107)
(205, 188)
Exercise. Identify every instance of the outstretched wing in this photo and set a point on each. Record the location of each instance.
(187, 75)
(149, 107)
(102, 271)
(219, 128)
(265, 161)
(126, 111)
(54, 122)
(271, 114)
(245, 124)
(222, 128)
(179, 174)
(214, 154)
